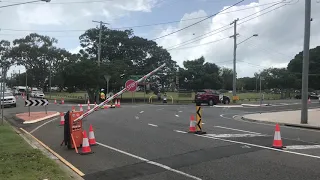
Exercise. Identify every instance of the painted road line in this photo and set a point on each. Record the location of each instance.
(42, 125)
(153, 125)
(137, 117)
(226, 106)
(180, 131)
(160, 109)
(180, 111)
(177, 115)
(141, 112)
(237, 130)
(57, 155)
(303, 147)
(234, 135)
(259, 146)
(150, 162)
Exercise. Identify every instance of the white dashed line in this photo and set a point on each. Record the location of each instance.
(180, 111)
(177, 115)
(180, 131)
(153, 125)
(237, 130)
(233, 135)
(141, 112)
(151, 162)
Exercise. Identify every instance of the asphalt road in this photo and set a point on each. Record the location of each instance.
(149, 142)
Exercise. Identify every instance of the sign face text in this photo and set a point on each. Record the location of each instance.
(131, 85)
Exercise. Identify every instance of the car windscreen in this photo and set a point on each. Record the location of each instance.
(200, 92)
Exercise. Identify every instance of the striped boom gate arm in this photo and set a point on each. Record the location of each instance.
(117, 94)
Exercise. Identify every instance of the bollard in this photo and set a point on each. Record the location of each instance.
(199, 121)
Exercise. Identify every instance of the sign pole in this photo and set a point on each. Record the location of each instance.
(132, 97)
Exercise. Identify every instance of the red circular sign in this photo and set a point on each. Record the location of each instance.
(131, 85)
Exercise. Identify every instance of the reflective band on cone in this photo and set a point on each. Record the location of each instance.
(85, 144)
(81, 109)
(192, 128)
(92, 139)
(277, 142)
(61, 119)
(55, 101)
(62, 101)
(89, 107)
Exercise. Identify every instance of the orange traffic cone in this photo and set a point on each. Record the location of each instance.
(55, 101)
(277, 142)
(85, 144)
(118, 102)
(95, 105)
(81, 109)
(61, 119)
(88, 102)
(309, 101)
(92, 139)
(62, 101)
(89, 107)
(192, 128)
(73, 109)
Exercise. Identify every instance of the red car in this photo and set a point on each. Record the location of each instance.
(210, 97)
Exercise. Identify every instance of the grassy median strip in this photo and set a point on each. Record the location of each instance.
(19, 161)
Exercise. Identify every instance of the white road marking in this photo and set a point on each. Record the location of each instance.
(42, 125)
(180, 111)
(137, 117)
(303, 147)
(177, 115)
(259, 146)
(151, 162)
(180, 131)
(202, 123)
(237, 130)
(284, 104)
(153, 125)
(141, 112)
(234, 135)
(160, 109)
(246, 146)
(226, 106)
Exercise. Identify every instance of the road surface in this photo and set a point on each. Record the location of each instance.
(149, 142)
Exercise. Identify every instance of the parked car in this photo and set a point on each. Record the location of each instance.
(37, 94)
(210, 97)
(8, 99)
(309, 96)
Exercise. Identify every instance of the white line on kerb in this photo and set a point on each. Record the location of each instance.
(150, 162)
(263, 147)
(42, 125)
(153, 125)
(236, 129)
(180, 131)
(303, 147)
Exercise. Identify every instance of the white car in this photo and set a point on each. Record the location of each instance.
(8, 99)
(37, 94)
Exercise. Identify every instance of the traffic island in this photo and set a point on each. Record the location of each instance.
(287, 118)
(35, 117)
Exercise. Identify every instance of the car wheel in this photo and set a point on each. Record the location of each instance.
(211, 102)
(227, 101)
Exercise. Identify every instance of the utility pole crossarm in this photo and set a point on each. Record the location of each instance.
(100, 35)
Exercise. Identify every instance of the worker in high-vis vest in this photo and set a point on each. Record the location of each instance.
(102, 95)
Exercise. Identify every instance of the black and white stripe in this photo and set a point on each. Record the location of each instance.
(36, 102)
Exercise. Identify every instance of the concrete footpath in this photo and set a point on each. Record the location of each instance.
(290, 118)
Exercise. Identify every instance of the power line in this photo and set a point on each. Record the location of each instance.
(223, 28)
(72, 2)
(196, 22)
(137, 26)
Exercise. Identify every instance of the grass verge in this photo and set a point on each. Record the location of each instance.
(19, 161)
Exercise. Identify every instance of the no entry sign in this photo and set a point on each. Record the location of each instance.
(131, 85)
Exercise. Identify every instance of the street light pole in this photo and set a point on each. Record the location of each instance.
(305, 66)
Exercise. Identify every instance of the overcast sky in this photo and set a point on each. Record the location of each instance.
(280, 32)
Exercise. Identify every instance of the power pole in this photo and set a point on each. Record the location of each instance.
(234, 36)
(305, 66)
(99, 45)
(99, 55)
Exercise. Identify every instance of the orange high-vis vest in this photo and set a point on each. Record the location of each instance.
(102, 95)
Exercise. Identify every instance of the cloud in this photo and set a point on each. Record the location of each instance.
(280, 37)
(59, 15)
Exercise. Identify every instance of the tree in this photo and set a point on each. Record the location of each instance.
(227, 78)
(124, 53)
(5, 60)
(295, 68)
(199, 74)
